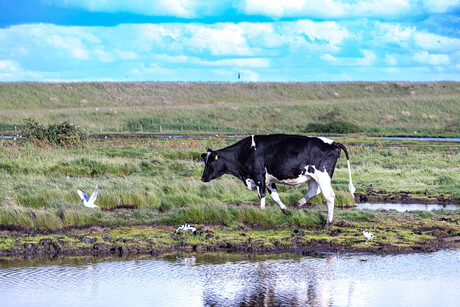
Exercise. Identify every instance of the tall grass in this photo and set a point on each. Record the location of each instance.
(161, 179)
(376, 108)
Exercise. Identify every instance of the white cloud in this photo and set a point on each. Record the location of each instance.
(12, 71)
(368, 59)
(390, 60)
(72, 45)
(327, 9)
(433, 59)
(435, 42)
(440, 6)
(7, 66)
(222, 39)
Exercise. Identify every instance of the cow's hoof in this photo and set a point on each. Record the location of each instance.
(327, 224)
(284, 210)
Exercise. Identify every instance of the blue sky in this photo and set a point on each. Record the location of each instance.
(209, 40)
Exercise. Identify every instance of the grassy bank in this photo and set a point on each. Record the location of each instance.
(394, 233)
(385, 108)
(159, 179)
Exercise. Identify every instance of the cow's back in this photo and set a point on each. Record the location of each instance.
(287, 155)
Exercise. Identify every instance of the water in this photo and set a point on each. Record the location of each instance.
(235, 280)
(406, 207)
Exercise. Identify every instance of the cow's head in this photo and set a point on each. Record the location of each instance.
(214, 166)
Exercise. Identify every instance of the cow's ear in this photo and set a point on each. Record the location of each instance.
(203, 156)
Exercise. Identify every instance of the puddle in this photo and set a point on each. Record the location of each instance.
(405, 207)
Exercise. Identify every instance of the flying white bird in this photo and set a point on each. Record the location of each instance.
(88, 201)
(186, 227)
(368, 235)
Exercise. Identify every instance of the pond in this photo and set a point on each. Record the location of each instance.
(237, 280)
(406, 207)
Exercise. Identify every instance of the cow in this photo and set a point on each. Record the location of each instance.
(262, 161)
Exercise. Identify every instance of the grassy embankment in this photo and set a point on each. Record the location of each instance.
(161, 177)
(376, 108)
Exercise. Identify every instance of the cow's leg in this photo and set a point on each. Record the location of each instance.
(313, 190)
(324, 182)
(275, 196)
(260, 183)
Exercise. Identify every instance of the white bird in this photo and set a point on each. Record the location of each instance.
(368, 235)
(88, 201)
(186, 227)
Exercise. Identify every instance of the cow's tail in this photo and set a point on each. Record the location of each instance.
(350, 182)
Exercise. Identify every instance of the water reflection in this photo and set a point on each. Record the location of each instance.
(406, 207)
(237, 280)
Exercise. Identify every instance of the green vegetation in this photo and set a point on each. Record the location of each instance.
(160, 180)
(383, 108)
(148, 181)
(60, 134)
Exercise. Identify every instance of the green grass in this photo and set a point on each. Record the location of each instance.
(161, 178)
(383, 108)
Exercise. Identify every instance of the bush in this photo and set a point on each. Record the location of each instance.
(60, 134)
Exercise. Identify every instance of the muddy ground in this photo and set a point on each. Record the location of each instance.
(407, 234)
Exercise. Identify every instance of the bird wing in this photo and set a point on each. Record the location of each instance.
(94, 195)
(83, 195)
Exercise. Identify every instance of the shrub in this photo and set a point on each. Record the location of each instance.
(60, 134)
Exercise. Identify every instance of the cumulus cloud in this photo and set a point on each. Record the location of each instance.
(432, 59)
(277, 50)
(316, 9)
(327, 9)
(440, 7)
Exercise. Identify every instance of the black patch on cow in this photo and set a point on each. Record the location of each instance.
(310, 169)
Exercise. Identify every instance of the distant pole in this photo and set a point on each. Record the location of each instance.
(142, 129)
(239, 76)
(100, 126)
(161, 130)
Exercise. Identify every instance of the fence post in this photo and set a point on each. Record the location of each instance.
(161, 130)
(100, 126)
(142, 129)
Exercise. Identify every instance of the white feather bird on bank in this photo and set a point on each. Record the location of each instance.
(88, 201)
(368, 235)
(186, 227)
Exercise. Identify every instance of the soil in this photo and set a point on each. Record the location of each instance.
(99, 241)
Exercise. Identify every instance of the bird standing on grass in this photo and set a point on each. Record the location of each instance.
(186, 227)
(368, 235)
(88, 201)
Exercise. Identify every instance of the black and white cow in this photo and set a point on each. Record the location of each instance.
(261, 161)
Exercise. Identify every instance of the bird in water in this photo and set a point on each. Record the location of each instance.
(186, 227)
(88, 201)
(368, 235)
